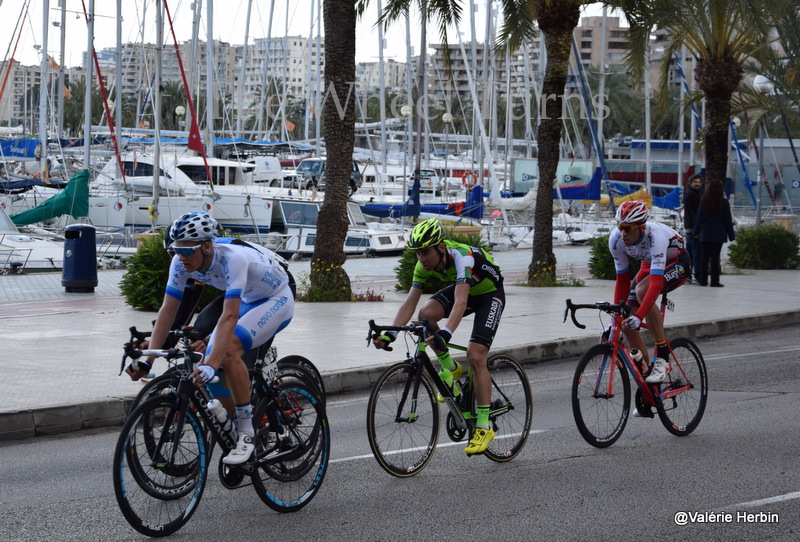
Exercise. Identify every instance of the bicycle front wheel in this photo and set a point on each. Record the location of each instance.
(601, 396)
(160, 466)
(292, 457)
(684, 398)
(511, 408)
(403, 423)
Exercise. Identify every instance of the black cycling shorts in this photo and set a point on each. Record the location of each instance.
(488, 308)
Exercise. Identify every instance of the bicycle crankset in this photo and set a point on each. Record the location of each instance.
(455, 433)
(230, 476)
(646, 411)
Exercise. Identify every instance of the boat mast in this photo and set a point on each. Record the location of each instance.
(60, 91)
(382, 85)
(118, 76)
(87, 95)
(210, 95)
(43, 92)
(157, 114)
(242, 72)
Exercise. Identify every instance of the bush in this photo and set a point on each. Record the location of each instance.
(408, 259)
(765, 247)
(601, 263)
(146, 278)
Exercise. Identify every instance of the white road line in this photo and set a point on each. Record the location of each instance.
(439, 445)
(764, 502)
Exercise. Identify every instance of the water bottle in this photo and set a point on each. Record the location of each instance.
(637, 357)
(219, 412)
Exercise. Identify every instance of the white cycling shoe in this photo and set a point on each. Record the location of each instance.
(659, 373)
(242, 452)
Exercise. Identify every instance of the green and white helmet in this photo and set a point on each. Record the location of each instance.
(427, 233)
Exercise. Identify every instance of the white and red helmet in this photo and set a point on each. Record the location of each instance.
(633, 213)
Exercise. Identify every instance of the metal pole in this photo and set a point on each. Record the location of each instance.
(43, 93)
(87, 97)
(760, 172)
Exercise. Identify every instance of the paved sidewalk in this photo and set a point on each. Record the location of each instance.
(62, 351)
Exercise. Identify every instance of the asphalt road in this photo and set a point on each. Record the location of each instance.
(739, 472)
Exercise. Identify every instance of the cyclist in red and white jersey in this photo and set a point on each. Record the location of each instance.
(665, 266)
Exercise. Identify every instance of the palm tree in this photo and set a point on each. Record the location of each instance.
(721, 36)
(556, 20)
(328, 277)
(780, 109)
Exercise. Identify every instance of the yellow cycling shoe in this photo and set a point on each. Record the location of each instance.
(480, 441)
(455, 374)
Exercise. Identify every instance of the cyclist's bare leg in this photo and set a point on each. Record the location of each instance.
(477, 354)
(431, 312)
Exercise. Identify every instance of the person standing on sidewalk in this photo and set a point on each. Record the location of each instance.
(714, 226)
(691, 202)
(477, 287)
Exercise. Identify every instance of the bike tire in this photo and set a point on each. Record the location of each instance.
(293, 458)
(292, 372)
(161, 384)
(154, 500)
(511, 412)
(600, 416)
(681, 413)
(402, 444)
(309, 368)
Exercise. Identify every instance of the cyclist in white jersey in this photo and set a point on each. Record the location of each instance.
(258, 304)
(665, 266)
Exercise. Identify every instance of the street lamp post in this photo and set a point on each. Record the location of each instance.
(180, 111)
(447, 118)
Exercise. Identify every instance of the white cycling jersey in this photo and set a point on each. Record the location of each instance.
(252, 274)
(658, 245)
(249, 273)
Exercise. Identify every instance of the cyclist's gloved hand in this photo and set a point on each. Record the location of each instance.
(384, 339)
(441, 338)
(205, 372)
(138, 369)
(633, 322)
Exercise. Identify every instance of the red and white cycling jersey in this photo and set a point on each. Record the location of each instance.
(659, 245)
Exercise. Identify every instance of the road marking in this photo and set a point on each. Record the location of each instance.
(769, 500)
(440, 445)
(759, 353)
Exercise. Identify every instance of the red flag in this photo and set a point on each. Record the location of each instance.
(195, 143)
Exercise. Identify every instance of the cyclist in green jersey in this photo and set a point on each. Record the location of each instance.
(477, 288)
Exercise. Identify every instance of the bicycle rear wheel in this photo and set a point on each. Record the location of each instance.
(309, 368)
(292, 458)
(512, 408)
(681, 413)
(159, 467)
(161, 384)
(403, 429)
(601, 396)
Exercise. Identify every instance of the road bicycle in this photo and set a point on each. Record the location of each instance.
(266, 367)
(162, 456)
(601, 389)
(403, 418)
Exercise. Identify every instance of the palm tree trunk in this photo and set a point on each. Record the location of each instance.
(557, 25)
(329, 281)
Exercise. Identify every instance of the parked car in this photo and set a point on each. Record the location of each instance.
(266, 169)
(312, 172)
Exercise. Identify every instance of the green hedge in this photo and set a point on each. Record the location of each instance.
(146, 278)
(765, 247)
(601, 264)
(405, 268)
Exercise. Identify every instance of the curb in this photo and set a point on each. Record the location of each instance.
(67, 418)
